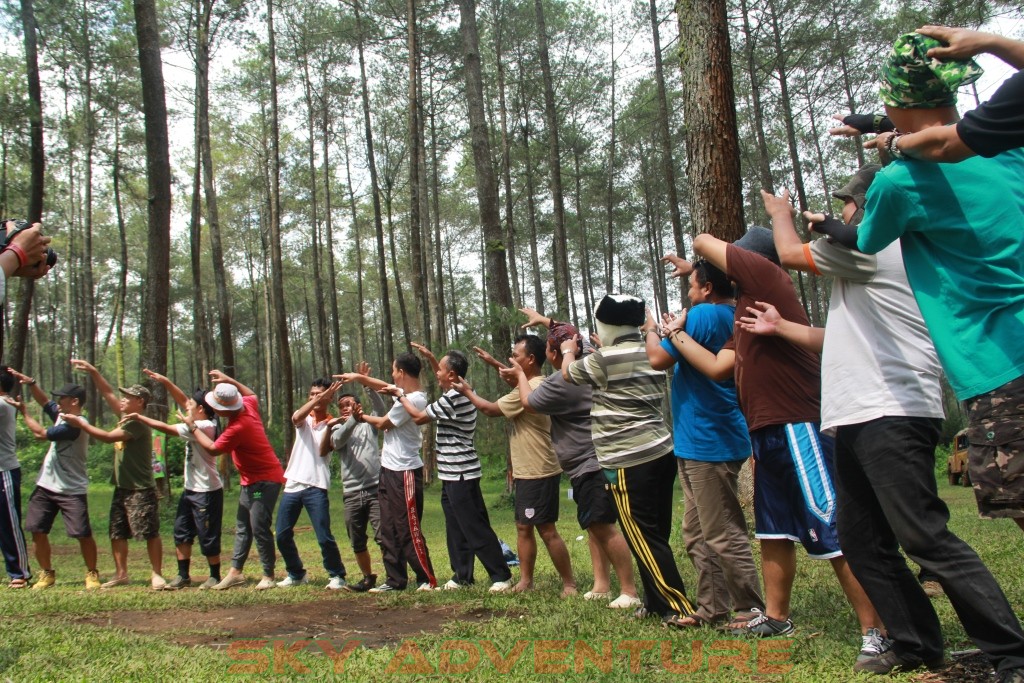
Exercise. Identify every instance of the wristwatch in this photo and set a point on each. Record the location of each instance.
(401, 392)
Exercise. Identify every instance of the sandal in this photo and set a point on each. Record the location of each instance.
(688, 621)
(740, 619)
(18, 583)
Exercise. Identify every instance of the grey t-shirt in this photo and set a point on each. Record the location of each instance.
(63, 469)
(359, 454)
(571, 435)
(8, 452)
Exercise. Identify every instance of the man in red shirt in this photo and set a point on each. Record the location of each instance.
(259, 468)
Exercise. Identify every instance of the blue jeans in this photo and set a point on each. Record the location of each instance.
(885, 477)
(318, 507)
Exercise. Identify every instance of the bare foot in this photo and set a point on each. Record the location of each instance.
(522, 587)
(568, 589)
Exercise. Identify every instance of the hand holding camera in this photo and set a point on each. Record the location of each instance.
(31, 247)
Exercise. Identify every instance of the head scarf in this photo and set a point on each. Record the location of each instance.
(913, 80)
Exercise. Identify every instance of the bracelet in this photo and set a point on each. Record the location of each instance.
(31, 383)
(19, 252)
(893, 149)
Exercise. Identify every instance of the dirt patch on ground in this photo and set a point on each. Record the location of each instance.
(333, 620)
(969, 667)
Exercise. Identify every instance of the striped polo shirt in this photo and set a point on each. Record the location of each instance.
(628, 415)
(456, 422)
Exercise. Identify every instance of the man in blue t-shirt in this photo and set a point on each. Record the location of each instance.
(711, 444)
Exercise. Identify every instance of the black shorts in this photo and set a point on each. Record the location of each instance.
(44, 505)
(200, 513)
(594, 502)
(537, 500)
(134, 514)
(362, 509)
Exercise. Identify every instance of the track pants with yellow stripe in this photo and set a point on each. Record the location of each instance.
(643, 498)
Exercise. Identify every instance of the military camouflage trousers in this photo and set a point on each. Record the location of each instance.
(995, 428)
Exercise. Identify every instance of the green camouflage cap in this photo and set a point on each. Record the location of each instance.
(913, 80)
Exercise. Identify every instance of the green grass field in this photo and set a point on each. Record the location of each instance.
(479, 637)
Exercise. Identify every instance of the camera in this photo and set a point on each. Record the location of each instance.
(6, 235)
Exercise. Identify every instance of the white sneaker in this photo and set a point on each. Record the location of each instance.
(625, 602)
(336, 583)
(288, 582)
(452, 585)
(424, 588)
(266, 583)
(597, 595)
(157, 582)
(500, 586)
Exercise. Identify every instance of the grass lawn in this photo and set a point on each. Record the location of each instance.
(65, 633)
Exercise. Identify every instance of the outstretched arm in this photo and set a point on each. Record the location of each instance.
(371, 383)
(113, 436)
(426, 353)
(102, 385)
(787, 243)
(712, 249)
(488, 408)
(516, 377)
(299, 416)
(765, 320)
(717, 367)
(38, 430)
(534, 319)
(173, 389)
(218, 377)
(37, 392)
(488, 358)
(169, 430)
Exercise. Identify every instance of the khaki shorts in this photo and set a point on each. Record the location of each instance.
(134, 514)
(995, 459)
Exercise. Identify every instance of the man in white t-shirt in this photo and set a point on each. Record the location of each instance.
(881, 396)
(200, 510)
(400, 489)
(307, 483)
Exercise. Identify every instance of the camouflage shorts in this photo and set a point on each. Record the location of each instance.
(134, 514)
(995, 428)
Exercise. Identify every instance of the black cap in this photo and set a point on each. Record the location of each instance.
(72, 390)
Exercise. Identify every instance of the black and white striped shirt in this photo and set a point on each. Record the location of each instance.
(456, 423)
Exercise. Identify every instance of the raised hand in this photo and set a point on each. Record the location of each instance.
(24, 379)
(155, 376)
(680, 266)
(83, 365)
(962, 43)
(776, 206)
(363, 368)
(534, 318)
(218, 377)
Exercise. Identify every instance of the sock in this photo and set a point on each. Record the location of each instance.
(183, 567)
(215, 571)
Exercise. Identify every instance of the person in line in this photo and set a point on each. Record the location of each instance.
(711, 444)
(63, 482)
(467, 524)
(535, 471)
(12, 538)
(134, 508)
(568, 406)
(355, 441)
(259, 470)
(200, 511)
(400, 488)
(633, 446)
(307, 485)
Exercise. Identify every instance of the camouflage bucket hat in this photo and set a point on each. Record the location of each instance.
(913, 80)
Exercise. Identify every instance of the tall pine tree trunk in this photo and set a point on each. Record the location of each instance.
(500, 295)
(559, 242)
(712, 147)
(153, 351)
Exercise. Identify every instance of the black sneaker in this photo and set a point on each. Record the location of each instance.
(891, 662)
(364, 584)
(763, 626)
(1011, 676)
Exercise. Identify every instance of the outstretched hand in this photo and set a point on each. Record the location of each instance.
(82, 365)
(534, 319)
(73, 420)
(774, 206)
(671, 323)
(680, 266)
(463, 387)
(24, 379)
(763, 319)
(155, 376)
(218, 377)
(18, 405)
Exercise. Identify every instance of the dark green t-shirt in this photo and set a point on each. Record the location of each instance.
(133, 458)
